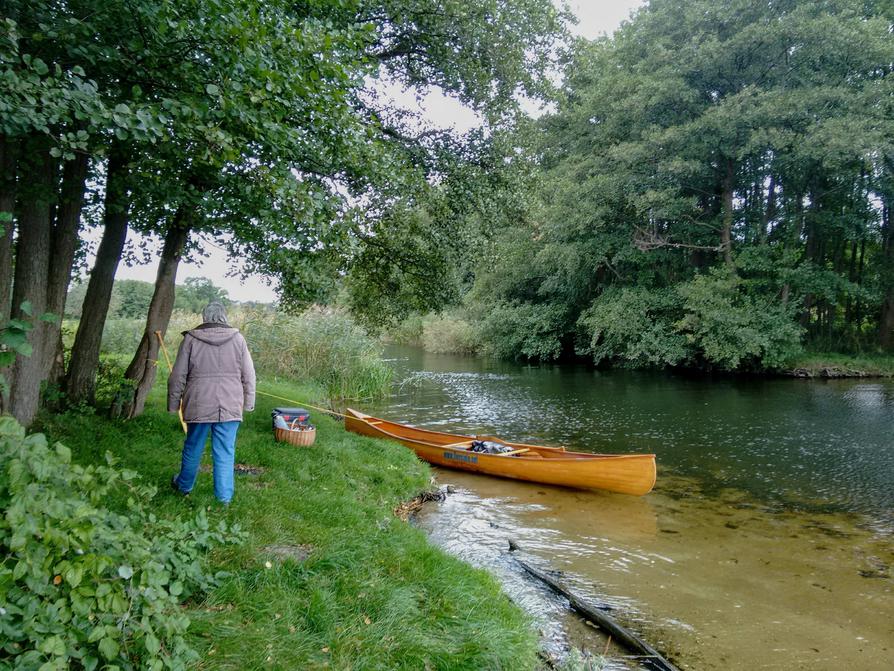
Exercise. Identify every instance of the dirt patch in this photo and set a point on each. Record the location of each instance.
(297, 552)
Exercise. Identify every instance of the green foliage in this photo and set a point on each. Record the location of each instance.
(320, 346)
(449, 333)
(111, 384)
(408, 331)
(122, 336)
(710, 321)
(524, 330)
(131, 298)
(634, 326)
(327, 575)
(732, 330)
(705, 140)
(13, 342)
(196, 292)
(14, 339)
(82, 585)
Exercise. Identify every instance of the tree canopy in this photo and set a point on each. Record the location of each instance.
(714, 189)
(257, 124)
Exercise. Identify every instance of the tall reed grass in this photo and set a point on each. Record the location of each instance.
(323, 347)
(449, 333)
(445, 333)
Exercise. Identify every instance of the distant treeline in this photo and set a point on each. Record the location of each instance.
(131, 298)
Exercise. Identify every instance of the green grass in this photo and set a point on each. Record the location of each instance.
(845, 365)
(373, 592)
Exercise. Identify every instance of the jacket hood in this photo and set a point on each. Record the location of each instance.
(213, 334)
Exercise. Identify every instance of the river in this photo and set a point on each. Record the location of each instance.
(768, 542)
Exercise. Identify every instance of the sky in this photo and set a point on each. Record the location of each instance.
(595, 18)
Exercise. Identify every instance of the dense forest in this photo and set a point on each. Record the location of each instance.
(713, 189)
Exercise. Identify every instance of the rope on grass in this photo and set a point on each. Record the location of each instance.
(309, 405)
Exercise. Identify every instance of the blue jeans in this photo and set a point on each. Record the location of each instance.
(223, 454)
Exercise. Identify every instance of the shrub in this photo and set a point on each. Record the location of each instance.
(407, 332)
(122, 336)
(319, 346)
(711, 319)
(635, 326)
(449, 334)
(734, 330)
(524, 330)
(82, 586)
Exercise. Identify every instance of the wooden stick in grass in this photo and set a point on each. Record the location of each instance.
(164, 350)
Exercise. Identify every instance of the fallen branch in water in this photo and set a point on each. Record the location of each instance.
(650, 656)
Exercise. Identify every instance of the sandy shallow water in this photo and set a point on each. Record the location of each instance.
(714, 582)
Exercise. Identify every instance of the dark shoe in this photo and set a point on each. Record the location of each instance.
(177, 489)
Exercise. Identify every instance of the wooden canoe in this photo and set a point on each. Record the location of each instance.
(626, 474)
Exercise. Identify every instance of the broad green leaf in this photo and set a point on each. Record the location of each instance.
(109, 647)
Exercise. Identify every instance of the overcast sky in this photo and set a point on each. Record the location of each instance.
(596, 17)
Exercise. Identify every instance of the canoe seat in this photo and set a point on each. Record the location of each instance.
(463, 445)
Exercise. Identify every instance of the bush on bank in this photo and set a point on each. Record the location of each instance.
(446, 333)
(712, 322)
(82, 585)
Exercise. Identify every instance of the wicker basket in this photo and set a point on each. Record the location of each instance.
(296, 438)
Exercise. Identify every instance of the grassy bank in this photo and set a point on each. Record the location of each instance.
(328, 577)
(826, 364)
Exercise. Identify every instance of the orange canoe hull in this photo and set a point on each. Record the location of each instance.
(625, 474)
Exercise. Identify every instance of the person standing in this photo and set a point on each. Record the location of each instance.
(214, 379)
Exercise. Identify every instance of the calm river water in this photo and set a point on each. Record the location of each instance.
(768, 542)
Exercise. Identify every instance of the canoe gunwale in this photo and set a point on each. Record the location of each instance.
(578, 456)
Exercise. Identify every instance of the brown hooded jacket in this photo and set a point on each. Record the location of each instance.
(213, 375)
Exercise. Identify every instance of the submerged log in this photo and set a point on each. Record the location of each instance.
(650, 656)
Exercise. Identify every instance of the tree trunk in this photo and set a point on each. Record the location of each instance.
(812, 251)
(81, 379)
(143, 367)
(852, 276)
(768, 213)
(858, 307)
(886, 318)
(33, 252)
(726, 232)
(9, 150)
(65, 245)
